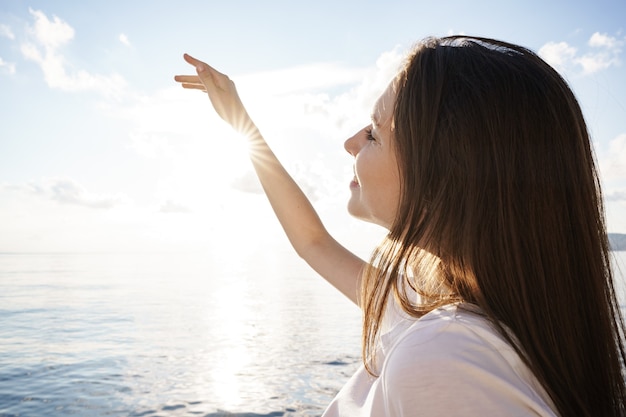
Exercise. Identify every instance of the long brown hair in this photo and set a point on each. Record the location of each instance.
(500, 188)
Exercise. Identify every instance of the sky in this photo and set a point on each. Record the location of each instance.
(100, 150)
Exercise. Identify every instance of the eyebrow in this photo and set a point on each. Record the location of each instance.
(375, 122)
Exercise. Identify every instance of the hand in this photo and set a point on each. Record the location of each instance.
(222, 93)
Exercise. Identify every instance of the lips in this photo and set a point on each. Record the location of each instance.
(355, 182)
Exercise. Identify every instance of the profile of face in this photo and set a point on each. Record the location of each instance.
(375, 189)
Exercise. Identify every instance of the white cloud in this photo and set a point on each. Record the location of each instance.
(335, 103)
(124, 39)
(559, 55)
(604, 52)
(592, 63)
(247, 183)
(150, 145)
(308, 78)
(35, 221)
(5, 31)
(173, 207)
(616, 196)
(603, 40)
(8, 67)
(50, 34)
(612, 162)
(31, 188)
(66, 191)
(46, 38)
(613, 159)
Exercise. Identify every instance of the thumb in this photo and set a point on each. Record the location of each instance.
(212, 78)
(201, 67)
(204, 71)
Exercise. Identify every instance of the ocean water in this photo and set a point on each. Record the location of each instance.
(173, 335)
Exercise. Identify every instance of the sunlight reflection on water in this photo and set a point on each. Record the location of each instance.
(170, 335)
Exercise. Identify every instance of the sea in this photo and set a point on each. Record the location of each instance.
(183, 334)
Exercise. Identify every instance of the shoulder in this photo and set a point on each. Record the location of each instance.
(454, 361)
(446, 339)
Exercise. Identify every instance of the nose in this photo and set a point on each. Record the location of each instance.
(351, 145)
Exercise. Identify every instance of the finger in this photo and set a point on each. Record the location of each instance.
(200, 66)
(200, 87)
(194, 79)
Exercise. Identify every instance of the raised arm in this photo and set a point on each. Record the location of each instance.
(297, 216)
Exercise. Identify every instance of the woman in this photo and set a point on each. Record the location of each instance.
(492, 293)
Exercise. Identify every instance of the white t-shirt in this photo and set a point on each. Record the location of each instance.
(451, 362)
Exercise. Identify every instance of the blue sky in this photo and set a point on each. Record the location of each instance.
(101, 151)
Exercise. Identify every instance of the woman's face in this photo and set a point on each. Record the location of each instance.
(376, 184)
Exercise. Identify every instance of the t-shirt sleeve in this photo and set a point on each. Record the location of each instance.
(449, 371)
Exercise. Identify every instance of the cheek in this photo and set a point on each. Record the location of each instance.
(393, 188)
(392, 194)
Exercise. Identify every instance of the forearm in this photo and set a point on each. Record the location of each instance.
(301, 223)
(293, 209)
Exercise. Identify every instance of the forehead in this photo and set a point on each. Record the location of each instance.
(383, 108)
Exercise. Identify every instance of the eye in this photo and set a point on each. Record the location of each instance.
(368, 134)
